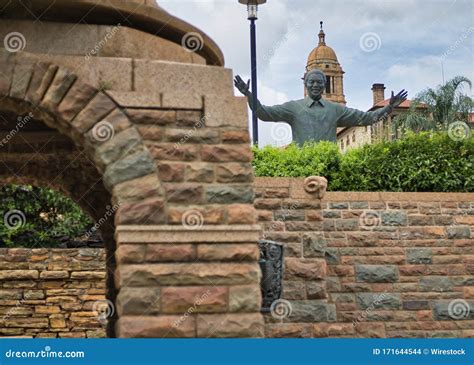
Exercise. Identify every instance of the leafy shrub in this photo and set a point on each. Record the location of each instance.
(312, 159)
(37, 217)
(418, 162)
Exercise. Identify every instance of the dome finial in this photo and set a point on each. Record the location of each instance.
(322, 41)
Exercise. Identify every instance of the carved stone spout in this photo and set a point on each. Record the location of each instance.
(316, 185)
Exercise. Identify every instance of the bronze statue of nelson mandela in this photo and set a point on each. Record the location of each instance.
(315, 118)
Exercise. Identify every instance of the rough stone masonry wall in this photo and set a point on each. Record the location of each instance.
(197, 276)
(178, 167)
(371, 264)
(52, 293)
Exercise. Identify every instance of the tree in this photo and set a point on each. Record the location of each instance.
(38, 217)
(436, 109)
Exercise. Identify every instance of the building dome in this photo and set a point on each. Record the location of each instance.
(322, 53)
(324, 58)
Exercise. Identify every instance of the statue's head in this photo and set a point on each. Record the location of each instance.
(315, 83)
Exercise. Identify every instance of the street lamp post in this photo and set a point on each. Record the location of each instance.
(252, 8)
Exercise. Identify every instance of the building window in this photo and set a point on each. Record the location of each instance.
(328, 85)
(342, 144)
(348, 142)
(353, 136)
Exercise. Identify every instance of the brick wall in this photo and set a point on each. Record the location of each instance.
(53, 293)
(371, 264)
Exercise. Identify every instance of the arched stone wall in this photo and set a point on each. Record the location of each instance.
(106, 144)
(180, 172)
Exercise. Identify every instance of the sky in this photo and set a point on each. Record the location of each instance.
(404, 44)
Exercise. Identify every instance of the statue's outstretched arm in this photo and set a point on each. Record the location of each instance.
(276, 113)
(352, 117)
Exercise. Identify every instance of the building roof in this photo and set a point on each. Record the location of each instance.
(405, 105)
(322, 51)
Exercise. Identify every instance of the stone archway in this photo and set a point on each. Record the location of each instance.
(92, 149)
(180, 172)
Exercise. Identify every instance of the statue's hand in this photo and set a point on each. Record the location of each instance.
(396, 100)
(241, 85)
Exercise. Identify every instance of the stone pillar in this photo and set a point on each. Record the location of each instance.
(178, 282)
(187, 261)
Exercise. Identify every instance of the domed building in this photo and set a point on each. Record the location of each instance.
(324, 58)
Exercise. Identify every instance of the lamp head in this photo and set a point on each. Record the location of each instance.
(252, 7)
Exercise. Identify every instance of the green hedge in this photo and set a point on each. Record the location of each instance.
(38, 217)
(418, 162)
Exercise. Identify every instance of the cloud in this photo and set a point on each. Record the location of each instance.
(414, 35)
